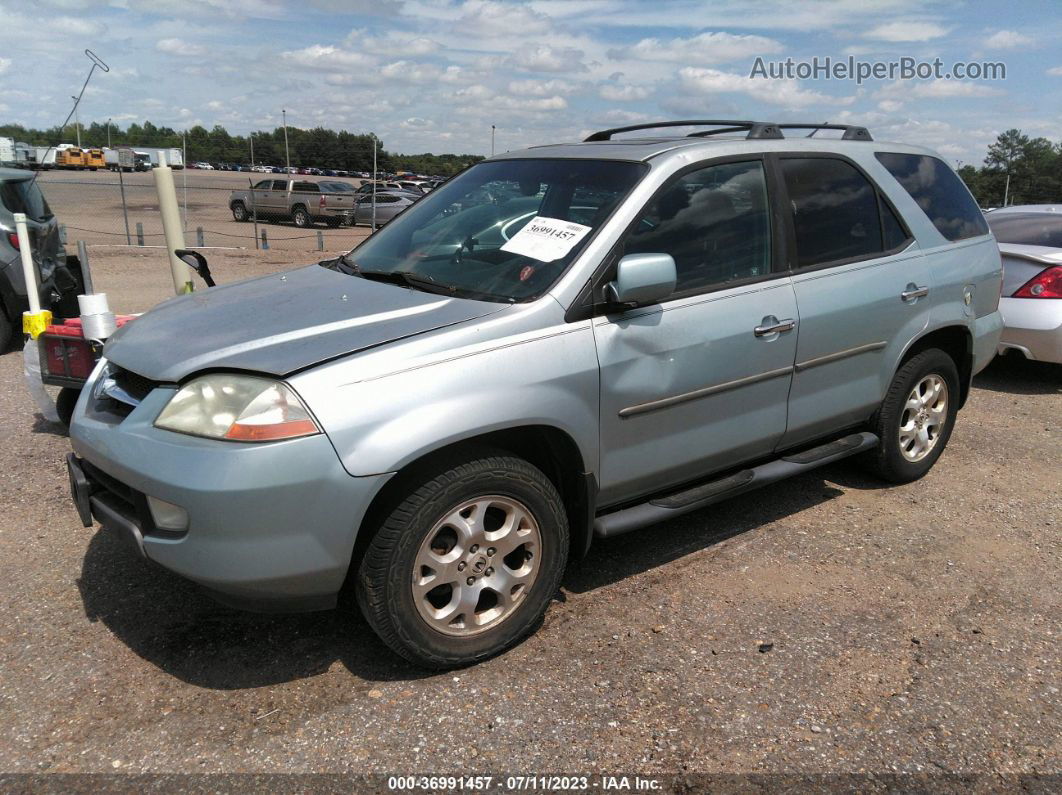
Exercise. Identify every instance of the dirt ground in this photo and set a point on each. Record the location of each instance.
(826, 625)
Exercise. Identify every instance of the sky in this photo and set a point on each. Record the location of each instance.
(434, 75)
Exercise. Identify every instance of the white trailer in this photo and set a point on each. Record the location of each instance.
(7, 151)
(174, 158)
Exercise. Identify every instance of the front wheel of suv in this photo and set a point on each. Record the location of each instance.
(466, 564)
(301, 218)
(916, 418)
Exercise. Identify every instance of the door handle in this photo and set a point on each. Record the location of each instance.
(782, 325)
(914, 292)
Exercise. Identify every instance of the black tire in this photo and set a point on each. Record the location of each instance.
(888, 460)
(384, 577)
(7, 331)
(239, 212)
(333, 223)
(65, 402)
(301, 218)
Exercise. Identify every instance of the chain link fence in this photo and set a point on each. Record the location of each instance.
(108, 209)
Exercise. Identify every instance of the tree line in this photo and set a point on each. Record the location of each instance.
(1033, 165)
(317, 147)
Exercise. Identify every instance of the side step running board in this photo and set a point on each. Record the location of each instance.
(660, 509)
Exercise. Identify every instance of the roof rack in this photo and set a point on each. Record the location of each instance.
(754, 129)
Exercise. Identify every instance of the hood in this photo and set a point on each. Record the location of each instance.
(280, 323)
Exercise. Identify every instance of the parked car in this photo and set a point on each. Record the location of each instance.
(203, 166)
(388, 205)
(301, 201)
(58, 276)
(684, 319)
(1030, 240)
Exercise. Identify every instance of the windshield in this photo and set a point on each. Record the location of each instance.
(474, 234)
(1030, 229)
(23, 196)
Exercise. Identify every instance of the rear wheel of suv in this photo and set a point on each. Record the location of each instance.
(466, 564)
(915, 420)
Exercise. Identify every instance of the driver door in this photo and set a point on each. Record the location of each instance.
(699, 382)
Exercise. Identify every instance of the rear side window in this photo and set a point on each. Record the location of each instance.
(23, 196)
(306, 187)
(939, 192)
(835, 211)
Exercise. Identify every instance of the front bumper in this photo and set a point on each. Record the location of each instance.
(1032, 326)
(271, 526)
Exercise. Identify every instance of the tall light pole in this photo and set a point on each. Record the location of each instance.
(251, 139)
(108, 133)
(287, 157)
(373, 181)
(77, 121)
(492, 140)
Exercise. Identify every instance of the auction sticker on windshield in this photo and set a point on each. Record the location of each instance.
(546, 239)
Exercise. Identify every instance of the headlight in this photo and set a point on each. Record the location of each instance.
(238, 407)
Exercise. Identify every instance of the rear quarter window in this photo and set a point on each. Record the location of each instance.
(23, 196)
(939, 192)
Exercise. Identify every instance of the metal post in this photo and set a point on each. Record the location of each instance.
(492, 140)
(1006, 190)
(77, 120)
(320, 240)
(287, 157)
(265, 241)
(86, 274)
(374, 182)
(251, 138)
(199, 236)
(254, 211)
(184, 177)
(171, 226)
(108, 133)
(125, 209)
(139, 233)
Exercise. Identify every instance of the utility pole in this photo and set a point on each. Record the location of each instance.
(108, 133)
(251, 139)
(492, 140)
(287, 157)
(1006, 190)
(373, 182)
(77, 121)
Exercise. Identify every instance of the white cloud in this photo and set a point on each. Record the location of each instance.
(936, 89)
(906, 31)
(75, 26)
(180, 47)
(215, 105)
(489, 18)
(704, 48)
(1054, 70)
(5, 64)
(785, 93)
(393, 43)
(319, 56)
(623, 92)
(410, 72)
(890, 105)
(1007, 40)
(550, 59)
(540, 88)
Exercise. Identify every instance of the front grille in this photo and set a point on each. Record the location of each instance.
(136, 385)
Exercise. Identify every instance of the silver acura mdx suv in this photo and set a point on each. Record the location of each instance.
(560, 343)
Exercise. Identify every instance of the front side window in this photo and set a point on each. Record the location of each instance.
(835, 211)
(939, 192)
(715, 224)
(474, 237)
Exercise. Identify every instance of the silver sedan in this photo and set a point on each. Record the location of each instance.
(1030, 240)
(388, 204)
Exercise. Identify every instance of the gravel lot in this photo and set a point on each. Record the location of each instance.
(826, 625)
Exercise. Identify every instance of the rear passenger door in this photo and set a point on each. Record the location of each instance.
(861, 288)
(699, 382)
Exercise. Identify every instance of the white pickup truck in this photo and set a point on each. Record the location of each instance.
(300, 201)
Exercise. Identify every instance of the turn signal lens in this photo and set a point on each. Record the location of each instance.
(1046, 284)
(237, 407)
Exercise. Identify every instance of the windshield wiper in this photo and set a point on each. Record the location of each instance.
(407, 279)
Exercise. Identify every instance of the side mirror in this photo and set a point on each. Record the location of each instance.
(643, 279)
(197, 262)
